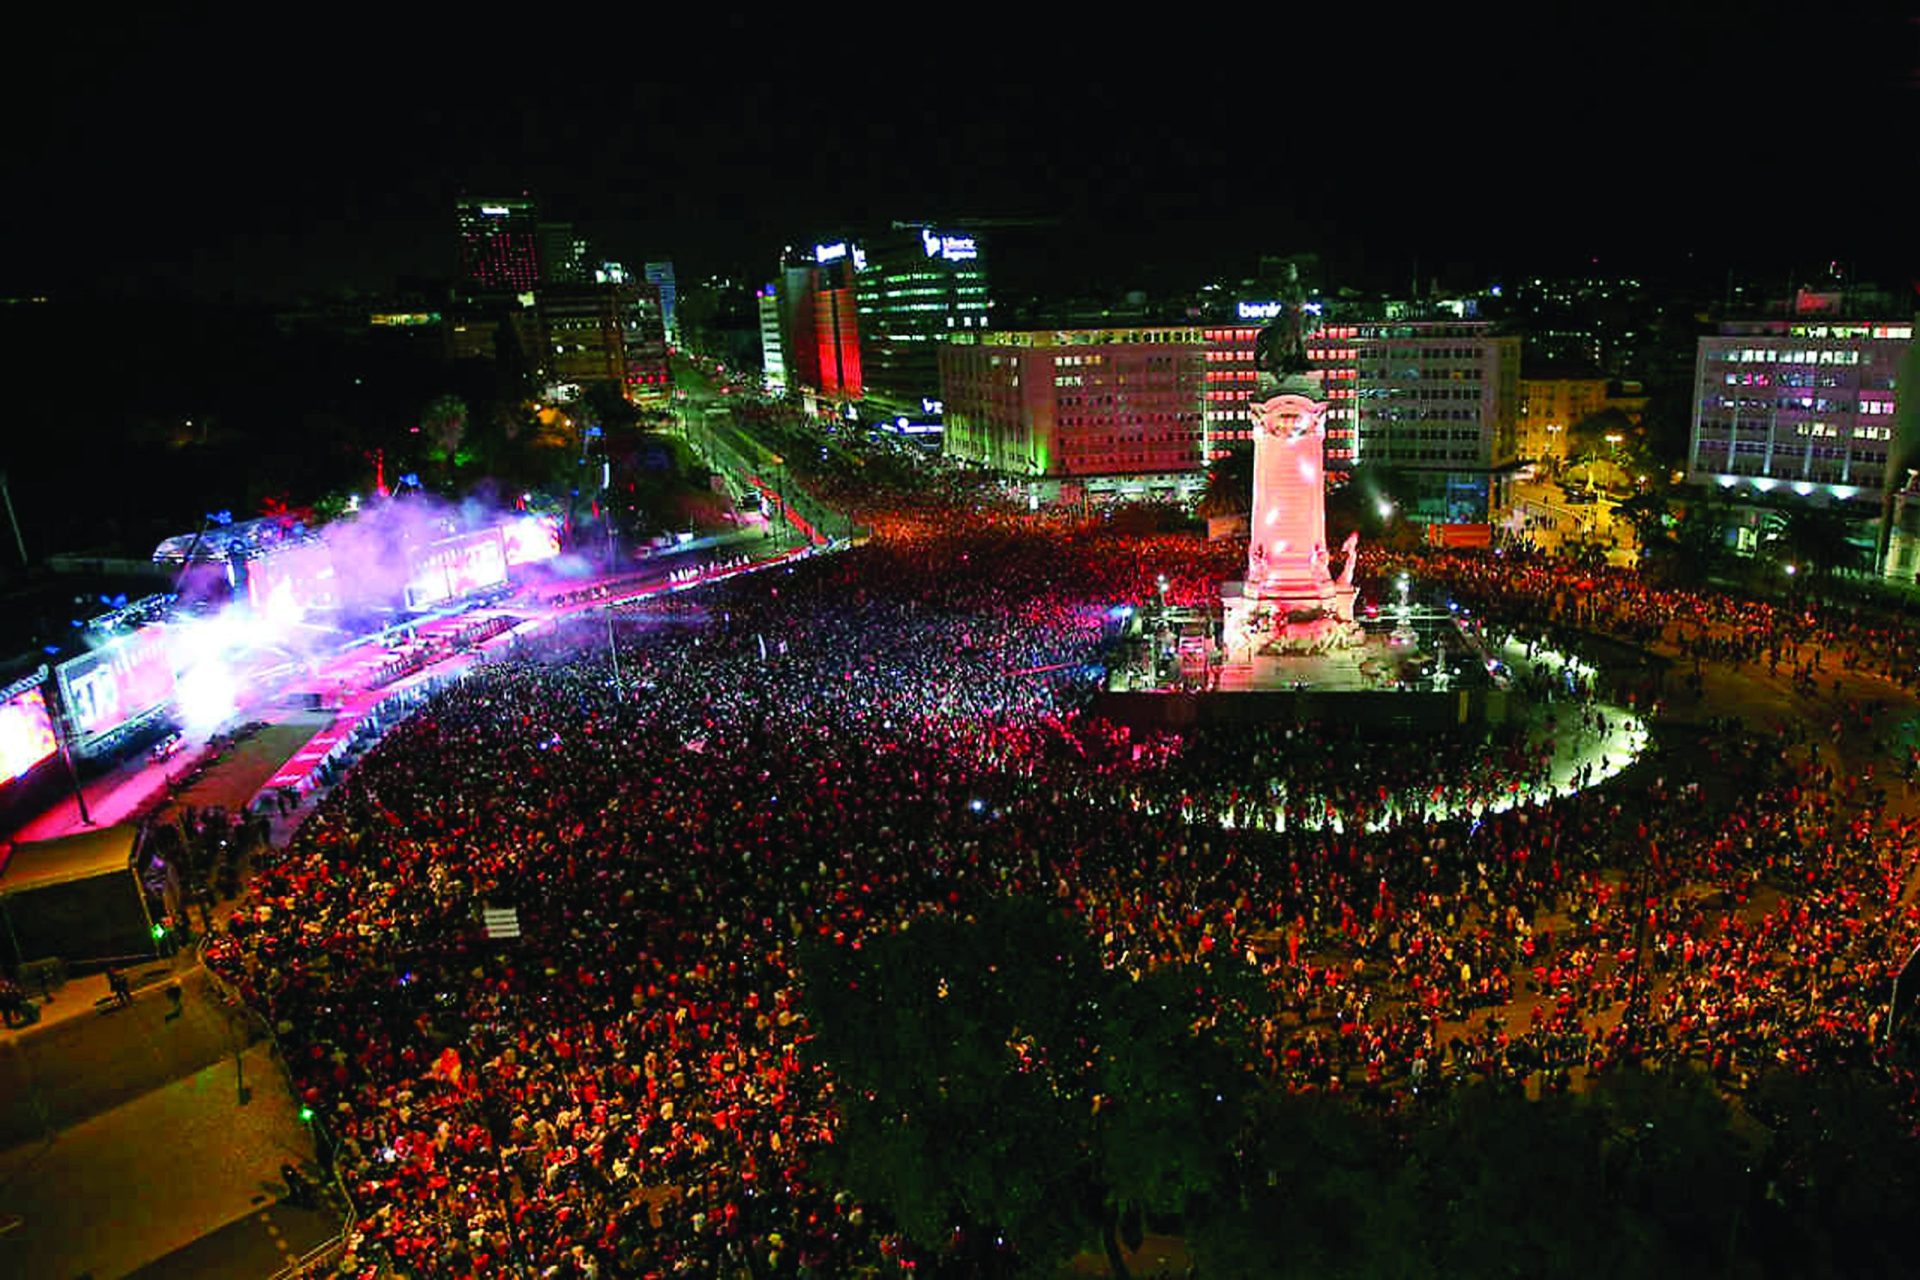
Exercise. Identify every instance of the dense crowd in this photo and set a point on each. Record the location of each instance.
(835, 747)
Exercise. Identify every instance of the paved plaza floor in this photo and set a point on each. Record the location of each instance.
(110, 1194)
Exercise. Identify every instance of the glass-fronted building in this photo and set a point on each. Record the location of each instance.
(915, 286)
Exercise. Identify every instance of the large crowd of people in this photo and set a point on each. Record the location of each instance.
(837, 746)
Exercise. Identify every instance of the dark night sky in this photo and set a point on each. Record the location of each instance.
(155, 155)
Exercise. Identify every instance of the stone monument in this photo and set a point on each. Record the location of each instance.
(1290, 603)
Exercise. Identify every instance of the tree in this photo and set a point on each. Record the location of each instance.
(1650, 512)
(1673, 1169)
(1813, 540)
(1229, 485)
(610, 406)
(956, 1046)
(1608, 440)
(996, 1084)
(444, 425)
(1171, 1094)
(1699, 543)
(1320, 1188)
(1840, 1175)
(1514, 1187)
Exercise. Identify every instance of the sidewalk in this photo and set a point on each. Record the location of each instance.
(89, 993)
(132, 1185)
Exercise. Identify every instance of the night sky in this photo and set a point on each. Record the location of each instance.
(215, 158)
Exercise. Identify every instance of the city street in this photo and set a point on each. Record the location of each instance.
(1540, 512)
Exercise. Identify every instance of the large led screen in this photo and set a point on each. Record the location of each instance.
(458, 566)
(117, 683)
(26, 733)
(531, 539)
(285, 584)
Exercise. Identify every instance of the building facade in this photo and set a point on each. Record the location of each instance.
(773, 360)
(1549, 406)
(1230, 378)
(566, 256)
(1437, 401)
(916, 285)
(499, 244)
(1436, 404)
(820, 323)
(660, 276)
(1805, 404)
(607, 333)
(1114, 411)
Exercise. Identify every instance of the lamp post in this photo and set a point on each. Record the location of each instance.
(73, 772)
(20, 543)
(1162, 630)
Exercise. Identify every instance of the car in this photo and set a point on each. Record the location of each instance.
(168, 747)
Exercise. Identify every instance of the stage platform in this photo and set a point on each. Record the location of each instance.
(1391, 684)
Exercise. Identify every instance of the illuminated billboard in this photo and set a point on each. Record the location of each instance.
(26, 733)
(949, 248)
(116, 684)
(458, 566)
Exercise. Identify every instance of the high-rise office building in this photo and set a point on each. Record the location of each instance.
(1436, 400)
(916, 285)
(660, 276)
(1804, 405)
(773, 363)
(565, 255)
(1112, 410)
(499, 244)
(820, 323)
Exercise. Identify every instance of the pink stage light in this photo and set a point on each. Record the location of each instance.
(26, 734)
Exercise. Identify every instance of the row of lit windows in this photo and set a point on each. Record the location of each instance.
(1420, 455)
(1419, 393)
(1897, 331)
(1423, 433)
(1773, 355)
(1419, 415)
(1800, 404)
(1716, 428)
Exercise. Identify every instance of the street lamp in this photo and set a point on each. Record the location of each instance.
(1403, 632)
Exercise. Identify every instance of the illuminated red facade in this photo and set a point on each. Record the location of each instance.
(1230, 373)
(836, 333)
(819, 322)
